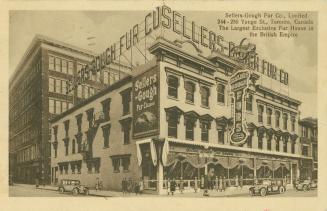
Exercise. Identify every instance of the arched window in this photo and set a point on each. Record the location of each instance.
(173, 86)
(221, 93)
(190, 88)
(205, 96)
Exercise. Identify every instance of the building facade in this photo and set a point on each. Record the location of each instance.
(175, 118)
(308, 137)
(38, 92)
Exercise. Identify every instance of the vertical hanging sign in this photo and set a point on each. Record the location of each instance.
(239, 83)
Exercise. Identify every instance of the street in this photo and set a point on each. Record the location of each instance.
(23, 190)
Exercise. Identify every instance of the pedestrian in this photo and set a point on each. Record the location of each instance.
(206, 186)
(97, 184)
(130, 186)
(172, 186)
(236, 181)
(216, 183)
(228, 182)
(124, 186)
(36, 182)
(285, 181)
(241, 182)
(141, 187)
(220, 184)
(202, 181)
(168, 186)
(136, 187)
(195, 185)
(224, 183)
(181, 185)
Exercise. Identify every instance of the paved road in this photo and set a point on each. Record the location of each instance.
(21, 190)
(30, 191)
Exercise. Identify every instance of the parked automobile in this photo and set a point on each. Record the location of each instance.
(74, 186)
(267, 187)
(306, 185)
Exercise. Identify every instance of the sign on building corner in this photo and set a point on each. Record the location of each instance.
(239, 85)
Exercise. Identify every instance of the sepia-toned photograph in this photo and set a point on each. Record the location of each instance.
(163, 103)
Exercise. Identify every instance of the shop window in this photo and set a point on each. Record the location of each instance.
(205, 96)
(125, 163)
(249, 100)
(205, 131)
(189, 129)
(260, 113)
(190, 89)
(285, 118)
(173, 86)
(269, 112)
(221, 93)
(116, 164)
(277, 117)
(221, 136)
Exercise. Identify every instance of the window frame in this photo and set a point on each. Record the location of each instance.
(173, 86)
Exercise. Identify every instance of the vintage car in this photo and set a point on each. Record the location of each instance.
(73, 186)
(267, 187)
(306, 185)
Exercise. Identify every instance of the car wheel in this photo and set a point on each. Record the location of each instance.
(86, 192)
(281, 189)
(61, 190)
(75, 191)
(263, 192)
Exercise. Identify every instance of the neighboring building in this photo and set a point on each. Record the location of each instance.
(173, 119)
(37, 93)
(309, 135)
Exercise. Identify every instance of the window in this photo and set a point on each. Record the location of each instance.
(79, 91)
(285, 118)
(64, 87)
(106, 108)
(70, 68)
(126, 136)
(293, 123)
(173, 86)
(58, 86)
(116, 164)
(293, 147)
(172, 125)
(58, 107)
(125, 163)
(86, 91)
(277, 145)
(221, 136)
(51, 85)
(205, 96)
(189, 88)
(106, 77)
(205, 131)
(106, 134)
(51, 106)
(57, 64)
(269, 143)
(126, 99)
(64, 66)
(73, 146)
(249, 100)
(260, 142)
(221, 93)
(64, 106)
(260, 113)
(51, 63)
(189, 129)
(269, 112)
(285, 145)
(126, 127)
(277, 117)
(305, 150)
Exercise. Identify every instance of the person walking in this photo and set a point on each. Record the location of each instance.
(141, 187)
(202, 181)
(241, 182)
(224, 183)
(220, 184)
(216, 183)
(236, 181)
(181, 185)
(172, 186)
(130, 186)
(168, 186)
(195, 185)
(206, 186)
(124, 186)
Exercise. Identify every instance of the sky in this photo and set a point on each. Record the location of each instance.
(298, 56)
